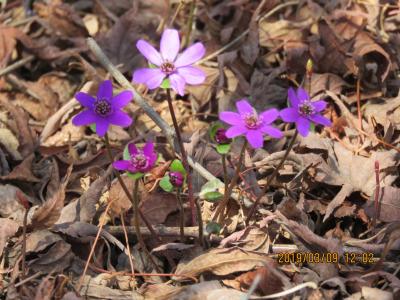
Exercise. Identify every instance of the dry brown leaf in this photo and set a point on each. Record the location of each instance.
(8, 228)
(10, 143)
(157, 206)
(389, 204)
(222, 262)
(8, 38)
(10, 207)
(23, 171)
(120, 202)
(45, 289)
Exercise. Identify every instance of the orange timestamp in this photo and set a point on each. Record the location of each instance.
(325, 257)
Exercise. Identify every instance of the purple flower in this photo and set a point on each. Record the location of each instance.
(303, 111)
(104, 109)
(177, 68)
(176, 178)
(141, 160)
(251, 124)
(220, 136)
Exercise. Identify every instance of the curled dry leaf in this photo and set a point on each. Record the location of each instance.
(222, 262)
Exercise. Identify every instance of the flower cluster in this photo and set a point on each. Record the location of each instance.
(254, 126)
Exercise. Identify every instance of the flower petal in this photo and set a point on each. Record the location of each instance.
(272, 131)
(132, 149)
(105, 90)
(294, 101)
(177, 83)
(244, 107)
(85, 117)
(269, 115)
(192, 75)
(122, 99)
(320, 120)
(319, 105)
(148, 51)
(85, 99)
(101, 126)
(303, 126)
(120, 118)
(289, 114)
(190, 55)
(122, 165)
(230, 118)
(152, 160)
(255, 138)
(169, 45)
(150, 77)
(302, 95)
(148, 149)
(234, 131)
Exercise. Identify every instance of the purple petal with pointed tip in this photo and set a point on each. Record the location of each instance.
(302, 95)
(235, 131)
(320, 120)
(132, 149)
(150, 77)
(272, 131)
(230, 118)
(85, 99)
(122, 99)
(191, 55)
(289, 114)
(123, 165)
(192, 75)
(101, 126)
(177, 83)
(319, 105)
(244, 107)
(148, 51)
(169, 45)
(255, 138)
(105, 90)
(294, 101)
(120, 118)
(148, 148)
(85, 117)
(269, 115)
(303, 126)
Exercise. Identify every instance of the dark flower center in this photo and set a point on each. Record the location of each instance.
(167, 67)
(220, 136)
(102, 107)
(139, 161)
(252, 121)
(306, 108)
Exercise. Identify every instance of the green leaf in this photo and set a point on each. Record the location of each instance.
(223, 148)
(165, 84)
(177, 166)
(211, 186)
(312, 127)
(213, 196)
(166, 184)
(213, 130)
(125, 154)
(213, 227)
(135, 176)
(93, 127)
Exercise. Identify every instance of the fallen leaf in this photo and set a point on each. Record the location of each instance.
(8, 228)
(157, 206)
(10, 207)
(120, 202)
(23, 172)
(389, 203)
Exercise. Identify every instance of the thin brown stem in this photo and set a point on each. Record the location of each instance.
(23, 250)
(359, 102)
(192, 201)
(271, 178)
(377, 192)
(125, 189)
(225, 170)
(181, 215)
(227, 193)
(137, 226)
(127, 243)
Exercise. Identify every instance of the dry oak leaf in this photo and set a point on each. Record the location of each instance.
(222, 262)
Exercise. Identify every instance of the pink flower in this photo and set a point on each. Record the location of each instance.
(177, 68)
(251, 124)
(141, 160)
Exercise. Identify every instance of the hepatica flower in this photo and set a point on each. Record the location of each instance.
(176, 178)
(137, 160)
(168, 64)
(104, 109)
(249, 123)
(303, 111)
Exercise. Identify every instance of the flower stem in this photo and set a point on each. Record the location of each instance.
(181, 215)
(225, 172)
(126, 191)
(272, 177)
(137, 225)
(193, 203)
(229, 188)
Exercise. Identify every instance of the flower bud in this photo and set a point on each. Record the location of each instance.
(220, 136)
(176, 179)
(309, 67)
